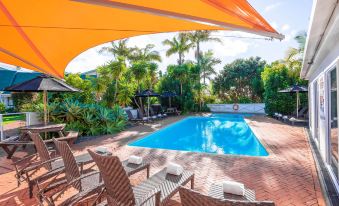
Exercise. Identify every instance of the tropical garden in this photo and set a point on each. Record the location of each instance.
(97, 109)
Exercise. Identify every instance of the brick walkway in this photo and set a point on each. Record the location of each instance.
(287, 176)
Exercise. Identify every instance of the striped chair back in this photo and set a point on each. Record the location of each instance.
(118, 187)
(41, 149)
(192, 198)
(71, 167)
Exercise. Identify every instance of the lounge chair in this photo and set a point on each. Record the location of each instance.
(46, 158)
(192, 198)
(173, 110)
(156, 190)
(86, 183)
(139, 117)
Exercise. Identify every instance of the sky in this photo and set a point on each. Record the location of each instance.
(287, 16)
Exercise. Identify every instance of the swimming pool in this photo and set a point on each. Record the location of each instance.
(218, 134)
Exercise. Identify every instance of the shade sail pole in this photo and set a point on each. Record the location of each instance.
(45, 106)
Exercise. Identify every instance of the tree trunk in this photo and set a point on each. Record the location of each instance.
(180, 58)
(116, 91)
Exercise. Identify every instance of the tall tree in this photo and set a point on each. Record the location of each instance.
(207, 63)
(294, 56)
(179, 72)
(152, 74)
(178, 45)
(198, 37)
(146, 54)
(118, 49)
(117, 68)
(139, 70)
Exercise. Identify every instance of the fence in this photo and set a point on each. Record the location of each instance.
(11, 122)
(258, 108)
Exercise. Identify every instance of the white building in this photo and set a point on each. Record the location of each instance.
(320, 67)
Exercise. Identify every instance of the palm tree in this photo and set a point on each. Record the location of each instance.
(126, 91)
(118, 49)
(200, 36)
(99, 87)
(207, 63)
(152, 74)
(139, 70)
(117, 68)
(179, 72)
(180, 45)
(146, 54)
(294, 56)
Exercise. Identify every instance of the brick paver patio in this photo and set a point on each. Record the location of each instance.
(287, 176)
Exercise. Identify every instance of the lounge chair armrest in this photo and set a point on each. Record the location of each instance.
(62, 190)
(24, 158)
(156, 193)
(41, 164)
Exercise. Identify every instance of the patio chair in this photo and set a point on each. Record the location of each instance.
(192, 198)
(156, 190)
(47, 159)
(86, 184)
(138, 118)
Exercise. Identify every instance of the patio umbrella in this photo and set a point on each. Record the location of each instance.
(43, 84)
(295, 89)
(147, 93)
(169, 94)
(48, 35)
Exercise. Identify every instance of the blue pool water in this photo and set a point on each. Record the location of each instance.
(219, 134)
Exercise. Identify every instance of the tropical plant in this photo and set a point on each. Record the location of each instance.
(179, 45)
(146, 54)
(139, 70)
(179, 72)
(126, 92)
(88, 119)
(275, 77)
(118, 49)
(207, 63)
(198, 37)
(117, 67)
(84, 85)
(2, 108)
(294, 56)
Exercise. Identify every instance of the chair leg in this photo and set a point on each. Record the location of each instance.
(192, 183)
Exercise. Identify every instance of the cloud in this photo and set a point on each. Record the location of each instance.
(285, 27)
(270, 7)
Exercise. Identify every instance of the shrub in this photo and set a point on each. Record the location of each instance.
(88, 119)
(2, 108)
(276, 77)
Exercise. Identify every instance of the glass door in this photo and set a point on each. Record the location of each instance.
(333, 133)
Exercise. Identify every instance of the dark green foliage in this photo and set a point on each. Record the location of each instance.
(88, 119)
(2, 108)
(276, 77)
(244, 75)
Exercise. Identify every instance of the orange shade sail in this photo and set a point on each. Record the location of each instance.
(46, 35)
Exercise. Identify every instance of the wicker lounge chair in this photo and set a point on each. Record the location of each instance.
(86, 183)
(192, 198)
(26, 167)
(139, 118)
(156, 190)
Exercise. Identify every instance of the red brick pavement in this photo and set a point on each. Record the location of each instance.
(287, 176)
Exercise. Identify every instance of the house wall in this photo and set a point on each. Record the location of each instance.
(320, 108)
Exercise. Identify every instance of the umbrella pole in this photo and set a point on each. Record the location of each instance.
(148, 106)
(170, 102)
(45, 106)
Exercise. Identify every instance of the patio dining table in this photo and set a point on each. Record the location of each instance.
(40, 128)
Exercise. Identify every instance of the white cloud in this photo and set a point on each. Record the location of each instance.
(285, 27)
(270, 7)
